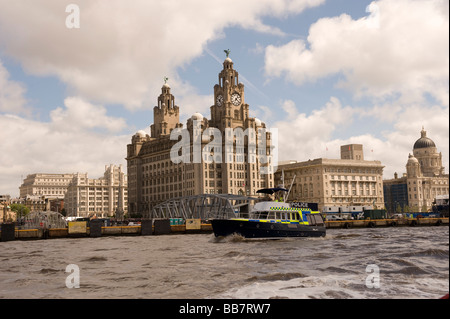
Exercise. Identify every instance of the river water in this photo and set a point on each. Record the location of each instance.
(351, 264)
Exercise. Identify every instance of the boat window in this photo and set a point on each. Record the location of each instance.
(271, 215)
(315, 219)
(263, 215)
(319, 219)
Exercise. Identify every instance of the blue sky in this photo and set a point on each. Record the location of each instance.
(323, 72)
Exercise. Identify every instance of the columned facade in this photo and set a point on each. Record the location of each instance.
(349, 181)
(424, 180)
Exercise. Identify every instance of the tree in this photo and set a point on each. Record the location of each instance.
(424, 208)
(20, 209)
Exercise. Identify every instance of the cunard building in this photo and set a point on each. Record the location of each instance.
(230, 153)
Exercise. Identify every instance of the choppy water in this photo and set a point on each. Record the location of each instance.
(412, 263)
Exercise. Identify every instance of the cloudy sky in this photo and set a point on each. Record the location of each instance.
(323, 72)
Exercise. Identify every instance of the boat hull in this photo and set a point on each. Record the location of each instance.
(258, 229)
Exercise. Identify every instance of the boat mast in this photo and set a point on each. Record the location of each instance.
(289, 191)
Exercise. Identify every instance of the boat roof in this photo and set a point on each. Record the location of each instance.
(267, 206)
(282, 206)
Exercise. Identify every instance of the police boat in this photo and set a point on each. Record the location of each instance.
(274, 219)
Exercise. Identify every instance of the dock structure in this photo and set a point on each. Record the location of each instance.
(371, 223)
(190, 214)
(162, 226)
(203, 207)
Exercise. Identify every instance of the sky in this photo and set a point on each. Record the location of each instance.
(324, 73)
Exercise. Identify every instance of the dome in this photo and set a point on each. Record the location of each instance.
(197, 116)
(412, 159)
(165, 85)
(424, 141)
(141, 133)
(257, 122)
(228, 60)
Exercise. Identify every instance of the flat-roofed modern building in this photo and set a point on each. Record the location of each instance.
(102, 197)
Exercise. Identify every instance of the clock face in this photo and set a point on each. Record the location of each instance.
(219, 100)
(236, 99)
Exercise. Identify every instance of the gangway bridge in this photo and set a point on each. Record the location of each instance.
(204, 207)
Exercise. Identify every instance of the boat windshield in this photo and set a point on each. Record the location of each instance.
(262, 215)
(315, 219)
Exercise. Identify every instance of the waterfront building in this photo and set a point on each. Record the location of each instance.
(6, 215)
(395, 194)
(102, 197)
(349, 181)
(5, 210)
(153, 175)
(33, 202)
(5, 198)
(424, 180)
(51, 186)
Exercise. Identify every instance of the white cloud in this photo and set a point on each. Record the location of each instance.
(81, 114)
(396, 57)
(303, 137)
(122, 50)
(289, 107)
(12, 94)
(69, 143)
(262, 112)
(401, 47)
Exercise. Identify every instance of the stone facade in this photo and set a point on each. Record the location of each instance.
(101, 197)
(424, 179)
(50, 186)
(349, 181)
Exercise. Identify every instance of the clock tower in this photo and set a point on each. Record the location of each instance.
(229, 109)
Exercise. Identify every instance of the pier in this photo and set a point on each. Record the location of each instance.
(155, 227)
(402, 222)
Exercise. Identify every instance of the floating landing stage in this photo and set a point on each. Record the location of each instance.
(191, 226)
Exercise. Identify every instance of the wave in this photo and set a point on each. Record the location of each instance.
(436, 252)
(49, 271)
(339, 287)
(276, 277)
(95, 258)
(300, 287)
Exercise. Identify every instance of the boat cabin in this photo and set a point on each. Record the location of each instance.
(282, 212)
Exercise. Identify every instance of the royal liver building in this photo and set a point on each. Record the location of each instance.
(231, 153)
